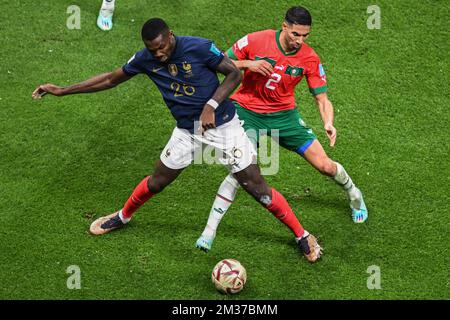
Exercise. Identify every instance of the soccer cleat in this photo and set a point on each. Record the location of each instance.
(104, 20)
(204, 244)
(359, 215)
(106, 224)
(310, 248)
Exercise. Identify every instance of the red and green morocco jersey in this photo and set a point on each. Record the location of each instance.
(264, 94)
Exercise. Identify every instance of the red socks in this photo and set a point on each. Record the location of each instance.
(139, 196)
(283, 212)
(279, 207)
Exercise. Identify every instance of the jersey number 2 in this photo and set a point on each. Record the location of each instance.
(275, 79)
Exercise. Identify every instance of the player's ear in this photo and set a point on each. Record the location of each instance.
(170, 35)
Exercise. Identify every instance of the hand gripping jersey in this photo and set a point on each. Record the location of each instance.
(186, 81)
(264, 94)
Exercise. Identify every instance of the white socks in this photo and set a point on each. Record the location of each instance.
(227, 193)
(305, 234)
(224, 199)
(124, 220)
(343, 179)
(107, 7)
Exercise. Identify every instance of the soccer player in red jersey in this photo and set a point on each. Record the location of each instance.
(274, 62)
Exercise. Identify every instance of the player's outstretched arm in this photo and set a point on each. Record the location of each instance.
(232, 79)
(98, 83)
(327, 113)
(259, 66)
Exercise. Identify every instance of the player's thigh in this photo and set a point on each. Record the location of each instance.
(294, 134)
(179, 151)
(252, 123)
(162, 176)
(233, 146)
(318, 158)
(253, 182)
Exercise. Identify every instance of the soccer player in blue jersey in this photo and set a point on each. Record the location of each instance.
(185, 71)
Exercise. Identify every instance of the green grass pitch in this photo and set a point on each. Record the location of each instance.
(64, 161)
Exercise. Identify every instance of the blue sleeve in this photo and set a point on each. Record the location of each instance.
(133, 66)
(212, 55)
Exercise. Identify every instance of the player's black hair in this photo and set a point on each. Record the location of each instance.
(153, 28)
(298, 15)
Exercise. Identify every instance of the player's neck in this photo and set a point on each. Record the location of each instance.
(283, 44)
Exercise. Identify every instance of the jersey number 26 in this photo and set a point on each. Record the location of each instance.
(180, 90)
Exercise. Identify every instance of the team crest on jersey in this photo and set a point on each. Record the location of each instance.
(173, 70)
(294, 71)
(187, 67)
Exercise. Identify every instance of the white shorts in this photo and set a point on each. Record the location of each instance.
(227, 144)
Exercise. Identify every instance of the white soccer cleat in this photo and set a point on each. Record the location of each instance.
(104, 19)
(106, 224)
(204, 243)
(359, 209)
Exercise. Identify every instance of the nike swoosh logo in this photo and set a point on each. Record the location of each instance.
(157, 69)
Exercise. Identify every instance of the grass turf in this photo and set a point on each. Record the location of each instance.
(65, 161)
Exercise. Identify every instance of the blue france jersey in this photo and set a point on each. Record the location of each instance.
(187, 80)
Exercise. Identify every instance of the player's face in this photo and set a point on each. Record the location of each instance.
(162, 46)
(295, 35)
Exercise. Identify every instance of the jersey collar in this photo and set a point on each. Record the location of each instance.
(277, 38)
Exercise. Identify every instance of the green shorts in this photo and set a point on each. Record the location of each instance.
(293, 133)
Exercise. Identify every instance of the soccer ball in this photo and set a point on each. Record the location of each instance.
(229, 276)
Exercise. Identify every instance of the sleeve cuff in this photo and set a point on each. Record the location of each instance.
(231, 55)
(127, 72)
(318, 90)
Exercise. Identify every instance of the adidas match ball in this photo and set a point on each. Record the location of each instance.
(229, 276)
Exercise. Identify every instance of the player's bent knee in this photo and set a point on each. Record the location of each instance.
(258, 190)
(249, 187)
(232, 180)
(264, 195)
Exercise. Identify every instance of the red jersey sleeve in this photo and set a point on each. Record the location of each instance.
(316, 77)
(240, 50)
